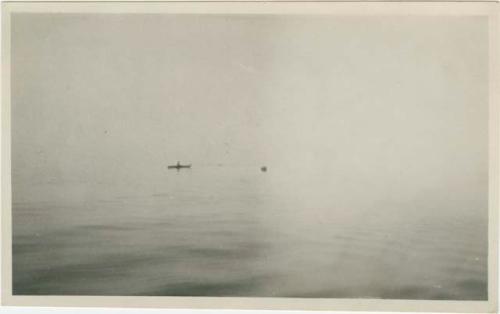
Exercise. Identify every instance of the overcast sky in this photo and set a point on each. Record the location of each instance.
(104, 97)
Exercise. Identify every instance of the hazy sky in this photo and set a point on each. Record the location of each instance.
(109, 97)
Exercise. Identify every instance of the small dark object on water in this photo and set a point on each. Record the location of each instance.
(263, 169)
(179, 166)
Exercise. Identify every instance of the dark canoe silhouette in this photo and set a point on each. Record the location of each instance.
(179, 166)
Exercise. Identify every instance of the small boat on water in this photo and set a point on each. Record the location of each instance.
(179, 166)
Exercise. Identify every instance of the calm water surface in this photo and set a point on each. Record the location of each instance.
(221, 231)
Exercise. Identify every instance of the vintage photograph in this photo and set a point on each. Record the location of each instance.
(309, 156)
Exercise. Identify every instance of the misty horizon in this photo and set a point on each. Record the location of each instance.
(373, 131)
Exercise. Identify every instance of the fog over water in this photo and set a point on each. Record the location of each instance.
(374, 132)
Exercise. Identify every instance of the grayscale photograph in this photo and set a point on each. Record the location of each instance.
(250, 155)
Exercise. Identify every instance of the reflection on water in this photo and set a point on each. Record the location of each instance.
(242, 232)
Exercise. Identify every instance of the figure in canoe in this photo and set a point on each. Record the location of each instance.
(178, 166)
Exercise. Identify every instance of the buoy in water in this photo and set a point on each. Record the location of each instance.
(263, 168)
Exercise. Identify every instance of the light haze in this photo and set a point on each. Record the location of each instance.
(366, 124)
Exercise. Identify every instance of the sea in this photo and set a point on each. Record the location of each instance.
(241, 232)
